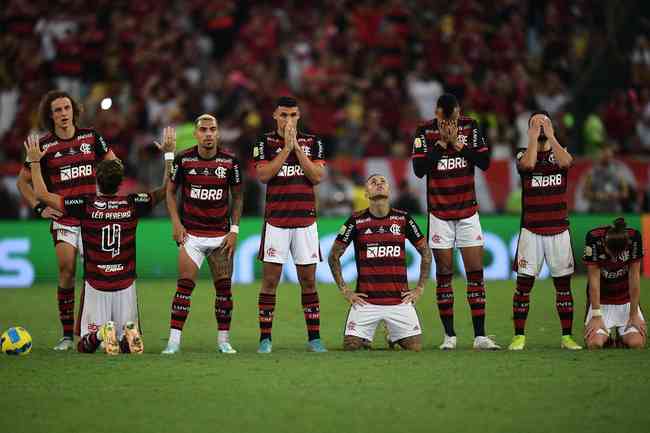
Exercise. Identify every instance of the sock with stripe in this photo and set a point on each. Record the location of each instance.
(65, 297)
(266, 308)
(445, 300)
(223, 308)
(180, 308)
(88, 343)
(311, 309)
(476, 300)
(521, 302)
(564, 302)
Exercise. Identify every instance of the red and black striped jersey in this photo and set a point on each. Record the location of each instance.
(614, 271)
(290, 199)
(68, 166)
(380, 253)
(205, 190)
(544, 208)
(108, 229)
(450, 180)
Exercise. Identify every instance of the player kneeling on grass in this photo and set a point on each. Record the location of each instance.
(379, 235)
(613, 258)
(109, 307)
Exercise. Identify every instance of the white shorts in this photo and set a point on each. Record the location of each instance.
(445, 234)
(533, 249)
(68, 234)
(301, 242)
(615, 316)
(402, 321)
(98, 307)
(198, 248)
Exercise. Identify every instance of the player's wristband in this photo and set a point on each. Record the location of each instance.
(234, 228)
(169, 156)
(39, 208)
(596, 313)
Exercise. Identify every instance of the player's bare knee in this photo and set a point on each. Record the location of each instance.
(634, 341)
(352, 343)
(413, 343)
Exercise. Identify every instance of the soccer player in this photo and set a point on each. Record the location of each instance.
(379, 235)
(290, 163)
(544, 234)
(446, 150)
(613, 258)
(208, 177)
(108, 221)
(68, 166)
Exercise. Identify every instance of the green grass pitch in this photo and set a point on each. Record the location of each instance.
(543, 389)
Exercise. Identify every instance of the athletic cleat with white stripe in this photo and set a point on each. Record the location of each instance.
(485, 343)
(171, 349)
(225, 347)
(449, 343)
(64, 344)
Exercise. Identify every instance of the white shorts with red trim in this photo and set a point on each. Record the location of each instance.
(533, 249)
(445, 234)
(68, 234)
(99, 307)
(301, 243)
(401, 320)
(615, 316)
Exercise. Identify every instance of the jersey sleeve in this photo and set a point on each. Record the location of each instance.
(413, 232)
(419, 144)
(259, 151)
(636, 246)
(591, 253)
(176, 173)
(234, 174)
(75, 207)
(347, 233)
(317, 150)
(101, 146)
(143, 203)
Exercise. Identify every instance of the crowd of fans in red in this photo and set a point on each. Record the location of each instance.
(365, 72)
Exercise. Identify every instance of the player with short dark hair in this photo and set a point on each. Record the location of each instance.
(544, 235)
(68, 167)
(206, 226)
(108, 225)
(446, 150)
(613, 257)
(290, 163)
(379, 234)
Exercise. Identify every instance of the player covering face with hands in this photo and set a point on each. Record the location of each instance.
(379, 234)
(109, 312)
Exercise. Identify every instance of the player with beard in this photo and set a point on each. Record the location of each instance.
(206, 227)
(379, 234)
(446, 150)
(68, 167)
(613, 257)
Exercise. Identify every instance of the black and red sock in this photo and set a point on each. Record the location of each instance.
(223, 304)
(266, 308)
(88, 343)
(564, 302)
(181, 303)
(521, 302)
(311, 309)
(445, 300)
(476, 300)
(65, 297)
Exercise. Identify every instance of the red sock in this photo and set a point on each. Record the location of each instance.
(521, 302)
(564, 302)
(311, 309)
(181, 303)
(266, 308)
(66, 309)
(223, 304)
(445, 300)
(476, 300)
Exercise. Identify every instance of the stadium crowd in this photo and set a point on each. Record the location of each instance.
(365, 72)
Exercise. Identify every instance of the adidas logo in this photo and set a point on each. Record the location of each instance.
(368, 231)
(192, 172)
(479, 238)
(58, 155)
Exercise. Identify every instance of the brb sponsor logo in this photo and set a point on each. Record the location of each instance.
(291, 170)
(377, 251)
(452, 163)
(209, 194)
(539, 181)
(75, 172)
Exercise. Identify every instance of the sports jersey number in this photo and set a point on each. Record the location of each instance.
(111, 239)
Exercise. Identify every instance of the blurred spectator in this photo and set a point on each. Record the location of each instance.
(605, 189)
(407, 199)
(335, 194)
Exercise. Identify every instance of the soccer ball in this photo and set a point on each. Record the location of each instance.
(16, 341)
